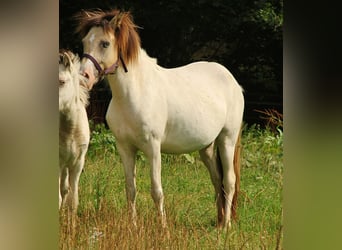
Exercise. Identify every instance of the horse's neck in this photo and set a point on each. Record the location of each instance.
(127, 86)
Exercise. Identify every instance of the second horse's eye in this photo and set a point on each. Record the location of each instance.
(105, 44)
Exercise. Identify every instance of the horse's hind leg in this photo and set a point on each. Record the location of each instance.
(210, 160)
(226, 148)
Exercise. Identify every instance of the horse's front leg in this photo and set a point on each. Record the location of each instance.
(128, 154)
(74, 178)
(154, 157)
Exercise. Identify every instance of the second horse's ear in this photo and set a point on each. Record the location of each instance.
(116, 21)
(65, 59)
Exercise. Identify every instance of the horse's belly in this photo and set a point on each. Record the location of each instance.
(184, 145)
(188, 139)
(193, 123)
(174, 147)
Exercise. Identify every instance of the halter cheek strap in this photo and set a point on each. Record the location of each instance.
(123, 63)
(109, 70)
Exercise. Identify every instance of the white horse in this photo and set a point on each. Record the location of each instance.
(73, 128)
(153, 109)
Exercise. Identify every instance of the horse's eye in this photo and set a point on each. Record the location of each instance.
(105, 44)
(61, 82)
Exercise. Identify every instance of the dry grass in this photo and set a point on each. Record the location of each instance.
(272, 117)
(109, 228)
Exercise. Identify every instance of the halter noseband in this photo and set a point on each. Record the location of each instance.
(109, 70)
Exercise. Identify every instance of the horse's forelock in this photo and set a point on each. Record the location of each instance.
(88, 19)
(119, 23)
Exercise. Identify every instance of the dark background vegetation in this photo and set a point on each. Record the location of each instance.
(243, 35)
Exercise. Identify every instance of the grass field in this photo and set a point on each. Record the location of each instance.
(103, 223)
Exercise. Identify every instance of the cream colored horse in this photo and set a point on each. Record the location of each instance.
(73, 128)
(153, 109)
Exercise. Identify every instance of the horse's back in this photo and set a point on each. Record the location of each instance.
(215, 78)
(207, 85)
(204, 69)
(209, 79)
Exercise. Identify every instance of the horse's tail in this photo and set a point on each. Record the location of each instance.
(237, 163)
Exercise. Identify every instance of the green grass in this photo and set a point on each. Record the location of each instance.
(103, 223)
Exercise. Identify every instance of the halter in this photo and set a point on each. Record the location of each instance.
(109, 70)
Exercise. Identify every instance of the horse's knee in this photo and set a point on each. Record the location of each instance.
(157, 194)
(64, 192)
(64, 189)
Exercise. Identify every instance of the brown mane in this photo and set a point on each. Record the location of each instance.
(116, 22)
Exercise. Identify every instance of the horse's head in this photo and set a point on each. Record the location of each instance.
(69, 80)
(109, 40)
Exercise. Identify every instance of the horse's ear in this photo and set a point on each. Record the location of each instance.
(116, 21)
(65, 59)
